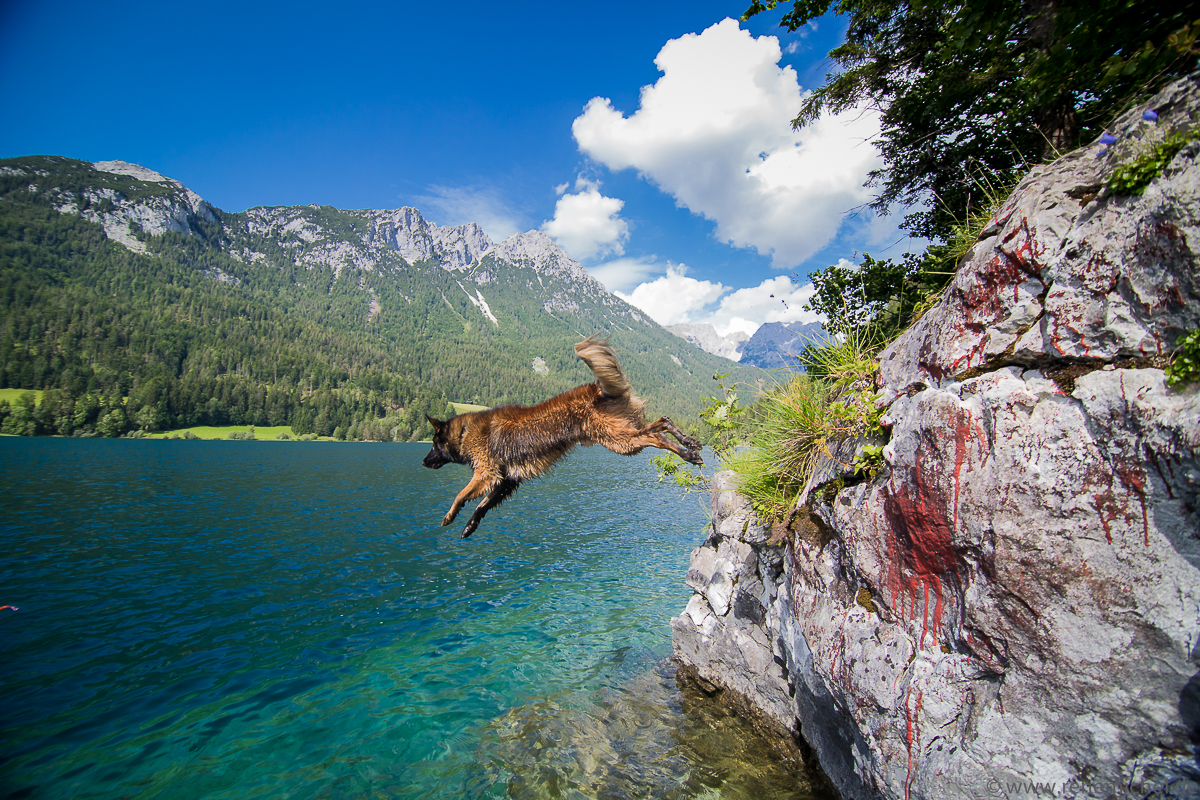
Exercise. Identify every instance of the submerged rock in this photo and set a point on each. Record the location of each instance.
(655, 737)
(1014, 600)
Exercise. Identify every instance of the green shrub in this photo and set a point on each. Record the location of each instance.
(769, 495)
(793, 423)
(1185, 363)
(1134, 177)
(673, 468)
(723, 418)
(786, 439)
(870, 459)
(844, 361)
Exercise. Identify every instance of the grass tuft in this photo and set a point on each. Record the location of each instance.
(794, 422)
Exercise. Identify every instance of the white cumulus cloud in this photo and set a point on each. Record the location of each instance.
(674, 298)
(715, 133)
(622, 274)
(587, 224)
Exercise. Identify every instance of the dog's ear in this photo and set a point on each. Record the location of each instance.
(437, 424)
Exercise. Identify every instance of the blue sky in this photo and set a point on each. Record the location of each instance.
(682, 188)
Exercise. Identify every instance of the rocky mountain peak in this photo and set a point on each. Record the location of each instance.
(777, 344)
(537, 250)
(175, 209)
(195, 202)
(133, 171)
(415, 238)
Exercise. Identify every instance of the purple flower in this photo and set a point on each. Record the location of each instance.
(1102, 152)
(1107, 139)
(1150, 115)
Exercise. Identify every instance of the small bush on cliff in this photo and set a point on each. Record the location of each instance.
(786, 438)
(842, 362)
(1185, 363)
(792, 425)
(788, 428)
(1134, 177)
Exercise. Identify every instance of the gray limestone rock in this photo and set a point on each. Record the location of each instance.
(1068, 271)
(1014, 599)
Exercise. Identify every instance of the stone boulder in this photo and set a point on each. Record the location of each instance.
(1012, 604)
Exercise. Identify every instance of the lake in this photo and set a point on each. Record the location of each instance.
(206, 619)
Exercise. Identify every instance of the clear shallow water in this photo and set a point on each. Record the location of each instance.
(232, 619)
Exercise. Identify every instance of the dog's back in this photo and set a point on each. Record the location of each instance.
(525, 441)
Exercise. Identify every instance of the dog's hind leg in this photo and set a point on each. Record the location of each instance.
(498, 495)
(637, 441)
(664, 424)
(688, 454)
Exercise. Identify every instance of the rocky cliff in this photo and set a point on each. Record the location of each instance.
(1012, 604)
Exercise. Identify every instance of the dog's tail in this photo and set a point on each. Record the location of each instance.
(601, 359)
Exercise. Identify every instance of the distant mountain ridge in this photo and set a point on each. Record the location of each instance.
(705, 336)
(776, 345)
(403, 231)
(323, 318)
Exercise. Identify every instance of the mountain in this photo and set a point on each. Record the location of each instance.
(775, 345)
(705, 336)
(141, 306)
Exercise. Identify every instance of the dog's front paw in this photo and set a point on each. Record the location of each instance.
(693, 457)
(446, 520)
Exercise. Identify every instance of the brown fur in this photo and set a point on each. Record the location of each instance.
(510, 444)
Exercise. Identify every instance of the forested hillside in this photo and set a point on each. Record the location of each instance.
(137, 306)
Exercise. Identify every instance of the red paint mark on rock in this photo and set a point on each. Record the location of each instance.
(912, 736)
(921, 548)
(1106, 506)
(1133, 478)
(921, 567)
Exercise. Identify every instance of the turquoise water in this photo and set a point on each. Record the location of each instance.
(235, 619)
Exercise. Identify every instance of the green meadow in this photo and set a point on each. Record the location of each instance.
(261, 433)
(11, 395)
(464, 408)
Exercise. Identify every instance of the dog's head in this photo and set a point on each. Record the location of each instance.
(445, 443)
